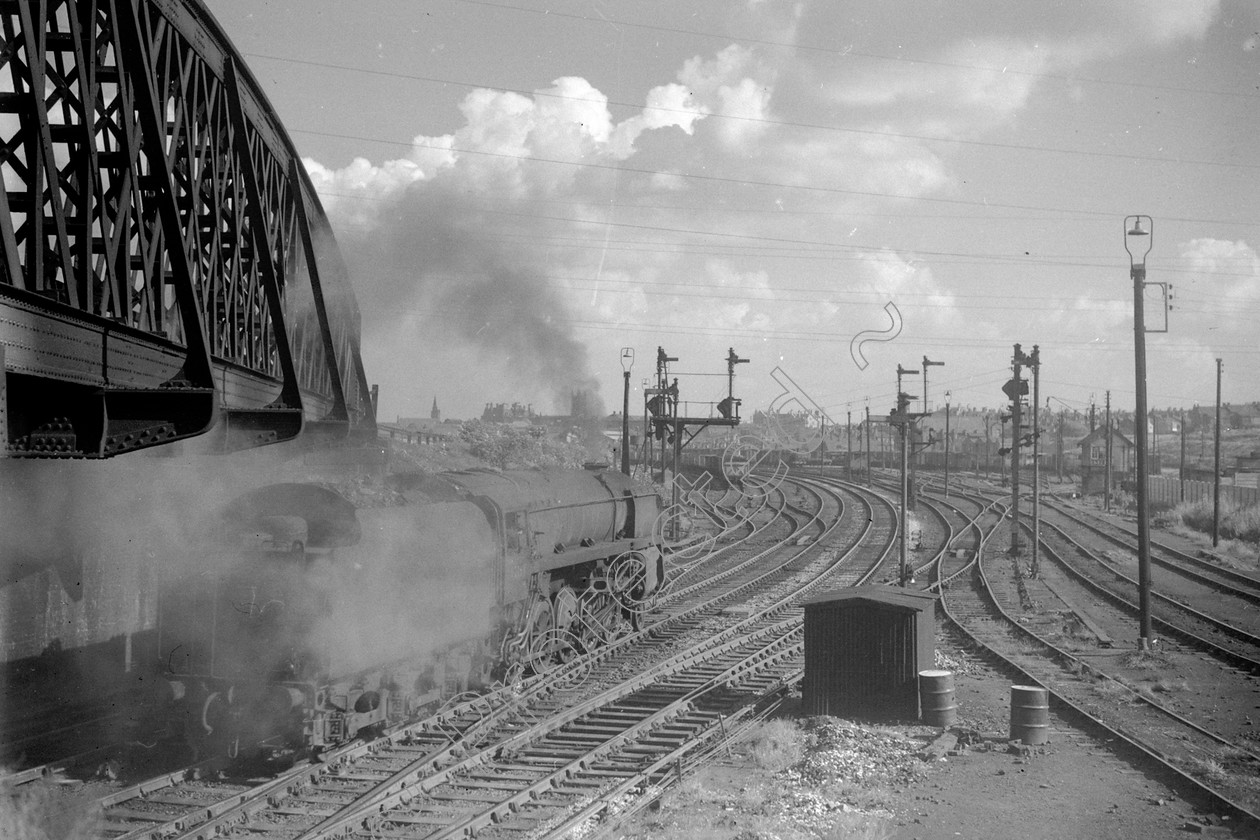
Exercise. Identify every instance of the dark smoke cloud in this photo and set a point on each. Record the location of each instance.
(434, 259)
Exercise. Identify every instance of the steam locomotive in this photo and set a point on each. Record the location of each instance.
(317, 621)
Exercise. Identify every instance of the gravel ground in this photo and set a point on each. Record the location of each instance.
(889, 783)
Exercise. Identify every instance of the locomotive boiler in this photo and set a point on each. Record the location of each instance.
(316, 621)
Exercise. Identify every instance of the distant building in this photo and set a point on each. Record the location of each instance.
(422, 430)
(1093, 449)
(435, 413)
(1247, 416)
(503, 413)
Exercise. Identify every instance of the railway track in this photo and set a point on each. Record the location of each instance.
(587, 731)
(1174, 619)
(135, 810)
(153, 809)
(1238, 583)
(981, 600)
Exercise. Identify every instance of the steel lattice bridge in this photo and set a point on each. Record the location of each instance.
(166, 270)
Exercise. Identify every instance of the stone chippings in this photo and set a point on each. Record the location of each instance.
(841, 776)
(840, 753)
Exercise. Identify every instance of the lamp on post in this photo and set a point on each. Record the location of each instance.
(1137, 242)
(947, 395)
(627, 362)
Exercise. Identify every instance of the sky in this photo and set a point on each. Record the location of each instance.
(522, 188)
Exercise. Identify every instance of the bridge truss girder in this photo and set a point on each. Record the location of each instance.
(165, 267)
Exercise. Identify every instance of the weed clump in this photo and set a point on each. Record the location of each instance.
(776, 746)
(1146, 660)
(1237, 522)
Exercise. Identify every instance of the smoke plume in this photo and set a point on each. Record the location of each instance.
(432, 282)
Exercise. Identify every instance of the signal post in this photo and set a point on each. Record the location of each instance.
(670, 427)
(905, 420)
(1016, 389)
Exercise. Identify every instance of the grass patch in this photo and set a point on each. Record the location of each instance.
(1234, 767)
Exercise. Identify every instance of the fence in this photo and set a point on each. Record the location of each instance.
(1168, 491)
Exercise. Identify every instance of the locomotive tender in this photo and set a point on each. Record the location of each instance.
(327, 621)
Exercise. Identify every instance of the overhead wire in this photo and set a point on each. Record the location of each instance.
(847, 51)
(780, 123)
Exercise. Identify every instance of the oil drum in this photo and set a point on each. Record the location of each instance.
(1030, 714)
(936, 698)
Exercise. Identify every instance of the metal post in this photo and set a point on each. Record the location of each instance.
(868, 444)
(947, 444)
(848, 446)
(926, 364)
(1036, 499)
(1138, 272)
(1216, 465)
(674, 484)
(987, 445)
(905, 499)
(1107, 459)
(901, 417)
(822, 437)
(903, 405)
(627, 362)
(1016, 365)
(625, 426)
(1181, 470)
(1061, 418)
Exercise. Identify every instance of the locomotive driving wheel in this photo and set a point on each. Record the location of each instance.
(629, 579)
(538, 646)
(567, 612)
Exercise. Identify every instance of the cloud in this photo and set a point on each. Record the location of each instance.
(970, 81)
(1220, 283)
(436, 283)
(1167, 21)
(909, 279)
(736, 85)
(667, 105)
